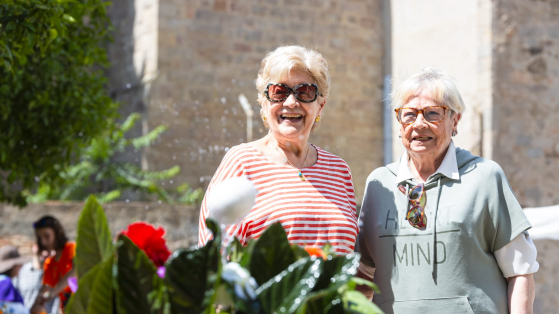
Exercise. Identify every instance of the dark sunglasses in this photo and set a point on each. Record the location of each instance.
(279, 92)
(416, 214)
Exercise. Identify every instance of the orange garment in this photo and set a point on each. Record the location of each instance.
(55, 270)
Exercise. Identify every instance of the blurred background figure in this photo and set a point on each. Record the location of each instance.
(10, 265)
(30, 280)
(58, 265)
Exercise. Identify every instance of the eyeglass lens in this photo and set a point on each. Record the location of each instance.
(416, 216)
(431, 114)
(305, 93)
(417, 195)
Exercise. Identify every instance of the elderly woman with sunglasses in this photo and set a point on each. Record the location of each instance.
(306, 188)
(440, 229)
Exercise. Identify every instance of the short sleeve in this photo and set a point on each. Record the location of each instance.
(71, 246)
(508, 217)
(518, 257)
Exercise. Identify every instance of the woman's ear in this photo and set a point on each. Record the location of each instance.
(457, 117)
(321, 104)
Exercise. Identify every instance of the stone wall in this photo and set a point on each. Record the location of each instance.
(209, 52)
(456, 38)
(547, 285)
(181, 222)
(526, 97)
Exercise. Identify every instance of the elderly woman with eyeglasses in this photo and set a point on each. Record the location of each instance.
(306, 188)
(440, 229)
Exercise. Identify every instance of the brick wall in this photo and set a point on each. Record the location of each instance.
(526, 97)
(210, 51)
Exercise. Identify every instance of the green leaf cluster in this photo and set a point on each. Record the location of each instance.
(53, 99)
(97, 171)
(290, 281)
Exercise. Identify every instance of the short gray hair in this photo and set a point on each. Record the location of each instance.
(440, 86)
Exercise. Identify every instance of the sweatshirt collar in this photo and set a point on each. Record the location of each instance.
(448, 168)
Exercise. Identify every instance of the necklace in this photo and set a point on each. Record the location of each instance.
(300, 174)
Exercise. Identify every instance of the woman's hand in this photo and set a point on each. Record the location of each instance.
(521, 291)
(366, 290)
(44, 295)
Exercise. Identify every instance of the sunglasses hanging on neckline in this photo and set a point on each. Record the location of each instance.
(416, 214)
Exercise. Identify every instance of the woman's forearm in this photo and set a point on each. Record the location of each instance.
(521, 292)
(366, 290)
(63, 282)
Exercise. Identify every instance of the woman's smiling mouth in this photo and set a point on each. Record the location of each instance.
(291, 117)
(422, 138)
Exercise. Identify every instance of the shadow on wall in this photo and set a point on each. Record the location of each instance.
(125, 83)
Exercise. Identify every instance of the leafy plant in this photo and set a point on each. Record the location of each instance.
(201, 280)
(98, 173)
(52, 96)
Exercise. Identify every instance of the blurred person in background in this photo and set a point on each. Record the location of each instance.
(440, 229)
(11, 300)
(306, 188)
(30, 280)
(58, 266)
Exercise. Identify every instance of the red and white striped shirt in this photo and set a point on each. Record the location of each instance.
(313, 212)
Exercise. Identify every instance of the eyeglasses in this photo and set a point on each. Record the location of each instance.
(416, 214)
(433, 114)
(279, 92)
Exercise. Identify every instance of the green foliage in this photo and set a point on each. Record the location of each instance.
(52, 95)
(136, 280)
(94, 243)
(101, 296)
(272, 254)
(97, 172)
(193, 281)
(79, 300)
(201, 266)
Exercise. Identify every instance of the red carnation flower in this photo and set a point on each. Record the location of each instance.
(150, 240)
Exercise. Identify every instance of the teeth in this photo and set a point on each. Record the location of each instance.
(290, 115)
(423, 138)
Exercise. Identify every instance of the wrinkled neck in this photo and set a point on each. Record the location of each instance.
(423, 167)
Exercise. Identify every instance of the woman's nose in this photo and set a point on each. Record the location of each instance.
(290, 101)
(420, 121)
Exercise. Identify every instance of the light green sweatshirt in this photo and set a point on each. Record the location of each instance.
(449, 267)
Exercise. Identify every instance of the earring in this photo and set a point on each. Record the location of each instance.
(264, 118)
(400, 135)
(454, 133)
(317, 119)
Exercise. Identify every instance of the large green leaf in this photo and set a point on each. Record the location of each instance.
(272, 254)
(325, 301)
(285, 292)
(299, 252)
(101, 293)
(337, 271)
(188, 276)
(356, 302)
(78, 301)
(94, 237)
(136, 279)
(193, 276)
